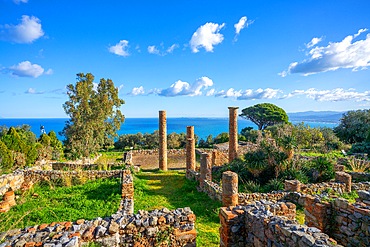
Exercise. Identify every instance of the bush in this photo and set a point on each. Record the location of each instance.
(251, 187)
(361, 147)
(6, 161)
(274, 185)
(322, 170)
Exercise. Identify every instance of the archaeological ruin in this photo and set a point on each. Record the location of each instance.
(246, 219)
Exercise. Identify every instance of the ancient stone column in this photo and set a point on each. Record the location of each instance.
(205, 169)
(229, 189)
(190, 150)
(162, 141)
(233, 133)
(214, 158)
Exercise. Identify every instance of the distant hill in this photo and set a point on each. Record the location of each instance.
(316, 116)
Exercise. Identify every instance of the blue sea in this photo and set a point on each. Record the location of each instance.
(202, 126)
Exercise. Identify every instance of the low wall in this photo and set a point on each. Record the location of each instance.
(32, 177)
(360, 176)
(149, 159)
(155, 228)
(73, 166)
(12, 181)
(264, 223)
(347, 223)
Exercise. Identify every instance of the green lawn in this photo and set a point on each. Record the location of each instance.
(155, 190)
(47, 204)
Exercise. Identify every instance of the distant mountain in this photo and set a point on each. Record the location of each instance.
(316, 116)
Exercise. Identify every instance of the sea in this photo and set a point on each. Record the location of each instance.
(203, 127)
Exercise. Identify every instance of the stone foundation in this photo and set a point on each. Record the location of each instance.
(265, 223)
(155, 228)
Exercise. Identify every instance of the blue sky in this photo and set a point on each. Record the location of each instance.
(190, 58)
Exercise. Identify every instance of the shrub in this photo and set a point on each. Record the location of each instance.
(6, 160)
(357, 165)
(274, 185)
(322, 169)
(251, 187)
(361, 147)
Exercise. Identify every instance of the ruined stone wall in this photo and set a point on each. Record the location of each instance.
(55, 176)
(155, 228)
(265, 223)
(73, 166)
(361, 186)
(360, 176)
(347, 223)
(176, 158)
(12, 181)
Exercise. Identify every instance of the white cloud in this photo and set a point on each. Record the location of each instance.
(313, 42)
(250, 94)
(230, 93)
(207, 36)
(180, 88)
(33, 91)
(153, 50)
(120, 49)
(172, 48)
(243, 23)
(211, 92)
(344, 54)
(137, 91)
(20, 1)
(27, 69)
(338, 94)
(26, 32)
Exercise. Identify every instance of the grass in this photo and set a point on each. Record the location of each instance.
(155, 190)
(300, 216)
(331, 154)
(45, 203)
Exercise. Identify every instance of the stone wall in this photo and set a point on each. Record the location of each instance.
(155, 228)
(73, 166)
(148, 159)
(60, 176)
(265, 223)
(345, 222)
(12, 181)
(360, 176)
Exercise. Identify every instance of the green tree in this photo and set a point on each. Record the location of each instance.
(6, 160)
(354, 126)
(264, 115)
(221, 138)
(250, 134)
(95, 116)
(21, 142)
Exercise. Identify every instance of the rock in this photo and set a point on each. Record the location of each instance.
(113, 227)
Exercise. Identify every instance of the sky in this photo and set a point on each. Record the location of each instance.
(190, 58)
